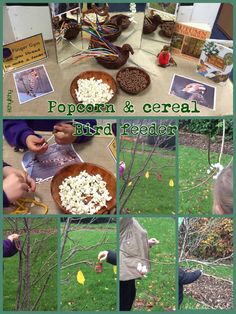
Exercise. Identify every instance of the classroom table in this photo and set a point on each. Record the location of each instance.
(61, 76)
(94, 151)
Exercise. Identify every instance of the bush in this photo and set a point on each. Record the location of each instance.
(213, 127)
(209, 238)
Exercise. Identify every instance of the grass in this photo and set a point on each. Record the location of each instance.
(193, 166)
(157, 291)
(220, 271)
(151, 195)
(99, 290)
(48, 301)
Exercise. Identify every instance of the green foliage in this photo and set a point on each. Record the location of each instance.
(210, 48)
(193, 165)
(151, 195)
(157, 290)
(212, 127)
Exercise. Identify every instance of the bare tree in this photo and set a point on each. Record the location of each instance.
(73, 225)
(29, 252)
(151, 152)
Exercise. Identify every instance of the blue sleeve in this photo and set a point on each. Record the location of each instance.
(6, 202)
(16, 132)
(9, 248)
(111, 257)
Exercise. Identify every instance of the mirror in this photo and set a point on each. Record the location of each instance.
(66, 29)
(131, 24)
(121, 23)
(158, 26)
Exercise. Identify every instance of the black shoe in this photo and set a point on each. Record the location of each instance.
(186, 278)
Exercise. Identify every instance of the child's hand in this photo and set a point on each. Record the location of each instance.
(13, 237)
(8, 170)
(15, 187)
(152, 242)
(36, 144)
(63, 133)
(31, 183)
(102, 256)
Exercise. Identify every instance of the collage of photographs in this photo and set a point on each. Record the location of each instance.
(117, 151)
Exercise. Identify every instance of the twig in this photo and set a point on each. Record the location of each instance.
(40, 293)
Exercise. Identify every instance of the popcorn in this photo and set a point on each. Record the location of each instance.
(84, 194)
(142, 269)
(216, 167)
(92, 17)
(91, 91)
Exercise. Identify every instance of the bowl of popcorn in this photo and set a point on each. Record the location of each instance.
(93, 87)
(84, 189)
(90, 17)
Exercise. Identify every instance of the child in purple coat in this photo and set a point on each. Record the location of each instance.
(9, 246)
(21, 133)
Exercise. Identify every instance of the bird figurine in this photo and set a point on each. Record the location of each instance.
(119, 61)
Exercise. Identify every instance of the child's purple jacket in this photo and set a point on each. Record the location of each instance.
(16, 131)
(9, 248)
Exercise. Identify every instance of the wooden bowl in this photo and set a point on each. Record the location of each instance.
(98, 75)
(121, 20)
(139, 71)
(92, 169)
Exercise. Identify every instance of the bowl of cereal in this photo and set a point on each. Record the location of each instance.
(133, 80)
(84, 189)
(91, 87)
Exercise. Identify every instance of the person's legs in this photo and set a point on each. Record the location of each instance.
(181, 294)
(127, 294)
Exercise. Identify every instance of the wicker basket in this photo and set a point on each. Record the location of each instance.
(167, 28)
(71, 30)
(118, 62)
(121, 20)
(151, 23)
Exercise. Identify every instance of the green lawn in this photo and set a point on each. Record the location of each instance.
(157, 291)
(151, 195)
(48, 301)
(193, 166)
(99, 290)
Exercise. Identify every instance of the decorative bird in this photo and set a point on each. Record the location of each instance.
(151, 23)
(119, 61)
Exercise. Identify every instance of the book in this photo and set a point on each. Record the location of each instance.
(216, 60)
(188, 39)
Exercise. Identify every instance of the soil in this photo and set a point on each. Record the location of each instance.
(216, 293)
(201, 141)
